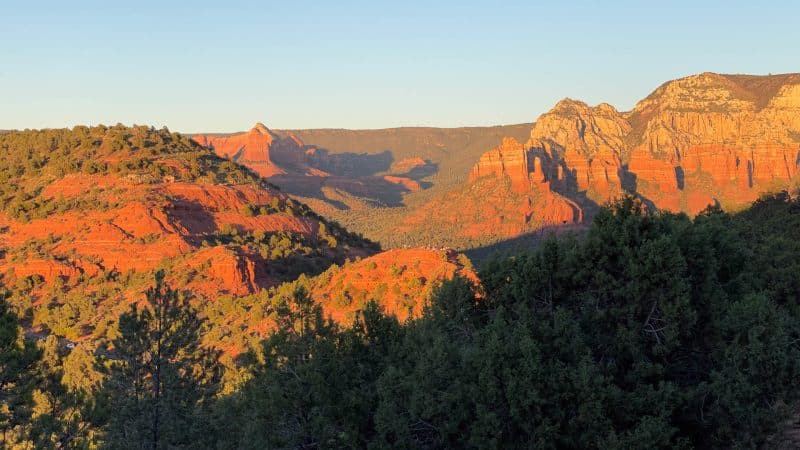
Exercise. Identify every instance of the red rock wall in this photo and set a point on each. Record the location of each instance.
(510, 159)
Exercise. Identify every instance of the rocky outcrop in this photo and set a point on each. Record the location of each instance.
(509, 193)
(406, 183)
(586, 145)
(510, 160)
(727, 138)
(407, 165)
(228, 270)
(695, 141)
(48, 269)
(702, 140)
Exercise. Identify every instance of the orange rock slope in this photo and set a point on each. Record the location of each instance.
(401, 281)
(88, 238)
(155, 224)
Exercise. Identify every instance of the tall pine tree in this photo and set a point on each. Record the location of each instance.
(161, 378)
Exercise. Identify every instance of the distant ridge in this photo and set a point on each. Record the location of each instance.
(358, 130)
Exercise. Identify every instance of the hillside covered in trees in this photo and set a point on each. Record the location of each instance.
(89, 214)
(654, 330)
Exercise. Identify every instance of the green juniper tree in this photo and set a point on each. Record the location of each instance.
(63, 414)
(161, 379)
(316, 385)
(18, 358)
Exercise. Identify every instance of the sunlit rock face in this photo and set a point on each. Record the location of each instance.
(726, 139)
(697, 141)
(157, 221)
(703, 140)
(509, 159)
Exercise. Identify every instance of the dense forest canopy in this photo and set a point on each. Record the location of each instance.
(655, 330)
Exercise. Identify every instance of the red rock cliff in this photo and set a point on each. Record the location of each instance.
(587, 142)
(716, 138)
(695, 141)
(509, 159)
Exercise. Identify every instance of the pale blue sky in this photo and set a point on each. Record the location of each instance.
(221, 66)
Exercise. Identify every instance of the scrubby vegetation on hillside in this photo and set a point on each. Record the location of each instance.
(81, 208)
(653, 331)
(34, 158)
